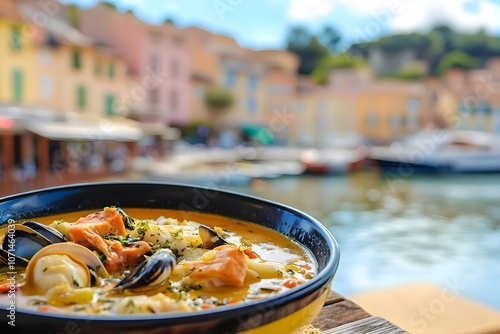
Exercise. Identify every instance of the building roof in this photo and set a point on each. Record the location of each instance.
(9, 10)
(58, 28)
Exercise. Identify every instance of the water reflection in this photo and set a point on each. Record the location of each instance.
(444, 230)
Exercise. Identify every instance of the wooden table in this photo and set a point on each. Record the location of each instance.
(340, 315)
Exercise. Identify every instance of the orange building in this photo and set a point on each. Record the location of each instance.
(469, 100)
(262, 82)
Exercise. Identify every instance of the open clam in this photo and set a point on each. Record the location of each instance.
(64, 263)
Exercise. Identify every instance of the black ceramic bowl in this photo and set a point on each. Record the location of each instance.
(284, 313)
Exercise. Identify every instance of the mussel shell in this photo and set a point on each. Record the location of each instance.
(127, 220)
(48, 232)
(150, 273)
(27, 242)
(210, 237)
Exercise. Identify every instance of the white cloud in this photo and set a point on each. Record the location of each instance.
(368, 6)
(422, 15)
(425, 14)
(307, 10)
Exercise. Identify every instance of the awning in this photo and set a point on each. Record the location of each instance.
(258, 133)
(88, 131)
(158, 129)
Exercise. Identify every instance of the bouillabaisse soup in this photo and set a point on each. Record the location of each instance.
(147, 261)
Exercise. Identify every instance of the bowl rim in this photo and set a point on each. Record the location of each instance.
(227, 311)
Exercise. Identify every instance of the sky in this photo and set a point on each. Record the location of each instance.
(263, 24)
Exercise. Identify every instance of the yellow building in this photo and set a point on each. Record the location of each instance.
(324, 120)
(218, 61)
(280, 88)
(73, 74)
(50, 71)
(17, 54)
(380, 111)
(389, 111)
(263, 83)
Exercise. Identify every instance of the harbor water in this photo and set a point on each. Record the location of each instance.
(444, 229)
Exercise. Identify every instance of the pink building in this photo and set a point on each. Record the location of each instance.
(156, 55)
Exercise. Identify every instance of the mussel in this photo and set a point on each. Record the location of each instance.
(210, 237)
(48, 232)
(64, 264)
(150, 273)
(127, 220)
(28, 239)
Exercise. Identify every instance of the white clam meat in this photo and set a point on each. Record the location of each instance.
(60, 269)
(63, 264)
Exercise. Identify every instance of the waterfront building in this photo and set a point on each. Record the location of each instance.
(263, 83)
(469, 100)
(356, 107)
(156, 55)
(17, 81)
(279, 82)
(390, 110)
(73, 73)
(325, 118)
(62, 85)
(17, 52)
(217, 61)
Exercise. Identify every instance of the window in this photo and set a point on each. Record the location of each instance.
(230, 79)
(299, 106)
(173, 101)
(154, 64)
(111, 70)
(45, 57)
(394, 122)
(496, 121)
(77, 60)
(199, 92)
(15, 42)
(18, 85)
(110, 105)
(46, 86)
(253, 82)
(372, 120)
(484, 108)
(413, 106)
(98, 68)
(251, 105)
(286, 90)
(81, 97)
(153, 96)
(480, 124)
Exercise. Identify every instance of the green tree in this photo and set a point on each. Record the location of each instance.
(218, 101)
(448, 37)
(109, 5)
(330, 37)
(307, 47)
(343, 60)
(73, 15)
(456, 59)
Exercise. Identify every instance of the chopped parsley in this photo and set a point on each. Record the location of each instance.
(142, 228)
(175, 234)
